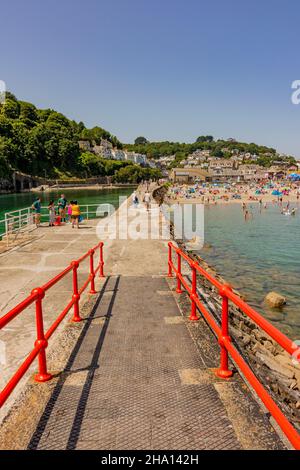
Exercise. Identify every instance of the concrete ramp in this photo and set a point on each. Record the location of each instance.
(136, 380)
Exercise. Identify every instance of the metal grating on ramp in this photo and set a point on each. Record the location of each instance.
(123, 388)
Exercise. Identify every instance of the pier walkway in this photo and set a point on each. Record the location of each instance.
(126, 388)
(137, 379)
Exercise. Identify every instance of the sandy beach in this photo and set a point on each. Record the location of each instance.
(235, 194)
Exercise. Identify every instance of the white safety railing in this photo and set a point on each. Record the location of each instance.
(15, 222)
(93, 211)
(2, 228)
(20, 220)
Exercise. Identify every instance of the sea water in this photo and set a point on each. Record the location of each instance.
(257, 255)
(11, 202)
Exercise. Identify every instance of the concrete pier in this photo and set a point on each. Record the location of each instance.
(135, 378)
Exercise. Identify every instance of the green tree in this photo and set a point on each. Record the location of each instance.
(6, 128)
(217, 152)
(91, 164)
(28, 111)
(141, 141)
(8, 150)
(5, 170)
(10, 109)
(57, 121)
(205, 138)
(51, 149)
(68, 153)
(44, 114)
(135, 174)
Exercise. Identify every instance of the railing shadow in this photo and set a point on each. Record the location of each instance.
(75, 430)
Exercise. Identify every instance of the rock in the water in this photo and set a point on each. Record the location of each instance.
(275, 300)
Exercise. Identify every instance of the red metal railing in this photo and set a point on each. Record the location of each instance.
(42, 338)
(226, 345)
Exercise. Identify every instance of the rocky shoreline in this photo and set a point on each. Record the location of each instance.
(271, 364)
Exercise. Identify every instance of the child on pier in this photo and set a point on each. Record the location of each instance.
(51, 209)
(75, 214)
(70, 211)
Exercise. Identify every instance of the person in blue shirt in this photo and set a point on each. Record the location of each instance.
(37, 207)
(62, 203)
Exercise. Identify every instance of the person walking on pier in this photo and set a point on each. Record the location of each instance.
(147, 199)
(36, 206)
(75, 214)
(135, 199)
(62, 204)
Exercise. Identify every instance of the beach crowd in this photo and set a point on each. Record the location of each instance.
(282, 194)
(208, 193)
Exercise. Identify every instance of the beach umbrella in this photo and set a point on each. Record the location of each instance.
(294, 176)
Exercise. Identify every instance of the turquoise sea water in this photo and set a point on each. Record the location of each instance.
(257, 256)
(84, 196)
(9, 202)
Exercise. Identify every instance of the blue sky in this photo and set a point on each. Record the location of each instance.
(168, 69)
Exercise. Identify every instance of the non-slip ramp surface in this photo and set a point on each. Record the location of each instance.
(123, 388)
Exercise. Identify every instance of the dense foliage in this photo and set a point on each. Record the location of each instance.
(217, 148)
(136, 174)
(44, 142)
(122, 171)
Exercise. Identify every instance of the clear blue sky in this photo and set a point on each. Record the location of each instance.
(165, 69)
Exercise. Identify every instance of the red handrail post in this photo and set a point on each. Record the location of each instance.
(178, 289)
(76, 296)
(101, 261)
(193, 296)
(92, 272)
(170, 274)
(224, 371)
(42, 375)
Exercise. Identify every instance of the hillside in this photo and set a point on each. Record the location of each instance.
(44, 142)
(217, 148)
